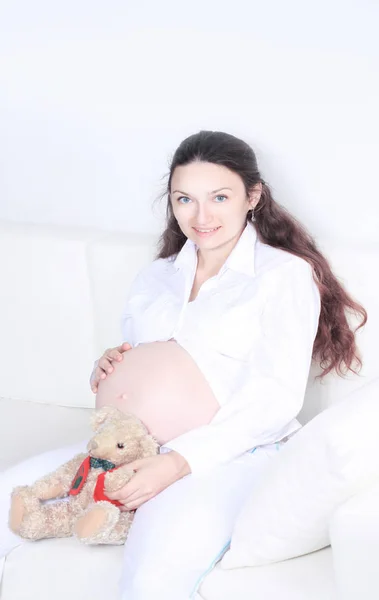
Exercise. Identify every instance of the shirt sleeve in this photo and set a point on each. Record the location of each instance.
(137, 287)
(127, 327)
(271, 391)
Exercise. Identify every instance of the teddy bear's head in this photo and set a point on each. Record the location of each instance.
(119, 437)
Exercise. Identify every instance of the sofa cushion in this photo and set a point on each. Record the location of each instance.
(64, 568)
(309, 577)
(61, 569)
(329, 460)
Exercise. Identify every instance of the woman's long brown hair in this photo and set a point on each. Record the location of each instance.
(335, 344)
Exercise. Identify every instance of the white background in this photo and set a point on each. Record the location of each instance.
(95, 96)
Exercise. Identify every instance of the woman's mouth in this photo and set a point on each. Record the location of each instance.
(206, 232)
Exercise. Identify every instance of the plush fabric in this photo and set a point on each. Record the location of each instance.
(330, 459)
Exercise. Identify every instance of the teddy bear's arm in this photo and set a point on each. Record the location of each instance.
(57, 484)
(114, 480)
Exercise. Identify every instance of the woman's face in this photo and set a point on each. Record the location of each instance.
(207, 196)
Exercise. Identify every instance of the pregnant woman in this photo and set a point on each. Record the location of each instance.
(219, 333)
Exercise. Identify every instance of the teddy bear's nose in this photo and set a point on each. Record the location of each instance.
(92, 445)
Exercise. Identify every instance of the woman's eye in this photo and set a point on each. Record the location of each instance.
(186, 198)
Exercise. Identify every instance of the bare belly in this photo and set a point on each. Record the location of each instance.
(164, 388)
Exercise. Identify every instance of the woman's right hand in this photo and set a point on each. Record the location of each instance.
(103, 366)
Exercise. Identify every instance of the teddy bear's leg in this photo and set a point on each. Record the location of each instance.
(103, 523)
(32, 520)
(121, 530)
(59, 518)
(23, 502)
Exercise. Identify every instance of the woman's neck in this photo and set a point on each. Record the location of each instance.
(210, 262)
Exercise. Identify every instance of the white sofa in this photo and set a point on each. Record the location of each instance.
(62, 294)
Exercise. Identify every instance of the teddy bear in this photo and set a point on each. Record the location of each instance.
(83, 509)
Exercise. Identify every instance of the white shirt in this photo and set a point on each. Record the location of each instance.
(250, 330)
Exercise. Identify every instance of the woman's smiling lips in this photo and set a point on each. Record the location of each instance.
(206, 233)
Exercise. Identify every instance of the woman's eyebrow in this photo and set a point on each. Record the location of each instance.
(213, 191)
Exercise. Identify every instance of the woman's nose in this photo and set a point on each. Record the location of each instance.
(203, 217)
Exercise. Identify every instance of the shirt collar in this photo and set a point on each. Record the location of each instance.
(241, 258)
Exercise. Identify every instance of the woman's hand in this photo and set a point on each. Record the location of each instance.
(104, 364)
(152, 476)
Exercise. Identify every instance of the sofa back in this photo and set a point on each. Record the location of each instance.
(355, 266)
(63, 290)
(62, 294)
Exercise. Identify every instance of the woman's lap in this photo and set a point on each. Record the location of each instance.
(175, 537)
(178, 536)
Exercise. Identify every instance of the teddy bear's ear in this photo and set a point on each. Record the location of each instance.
(149, 446)
(98, 417)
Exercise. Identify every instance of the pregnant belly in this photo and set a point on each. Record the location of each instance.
(163, 387)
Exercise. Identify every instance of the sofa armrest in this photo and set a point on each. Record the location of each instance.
(354, 536)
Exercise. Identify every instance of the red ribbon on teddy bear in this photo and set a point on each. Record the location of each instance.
(81, 477)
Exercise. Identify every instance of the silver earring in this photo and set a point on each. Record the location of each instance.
(250, 214)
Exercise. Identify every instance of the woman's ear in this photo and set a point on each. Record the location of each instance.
(106, 413)
(255, 194)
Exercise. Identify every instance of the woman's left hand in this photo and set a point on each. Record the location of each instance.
(152, 476)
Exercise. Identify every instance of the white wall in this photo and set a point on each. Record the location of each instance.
(95, 96)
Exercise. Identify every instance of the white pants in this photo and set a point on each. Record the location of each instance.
(176, 537)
